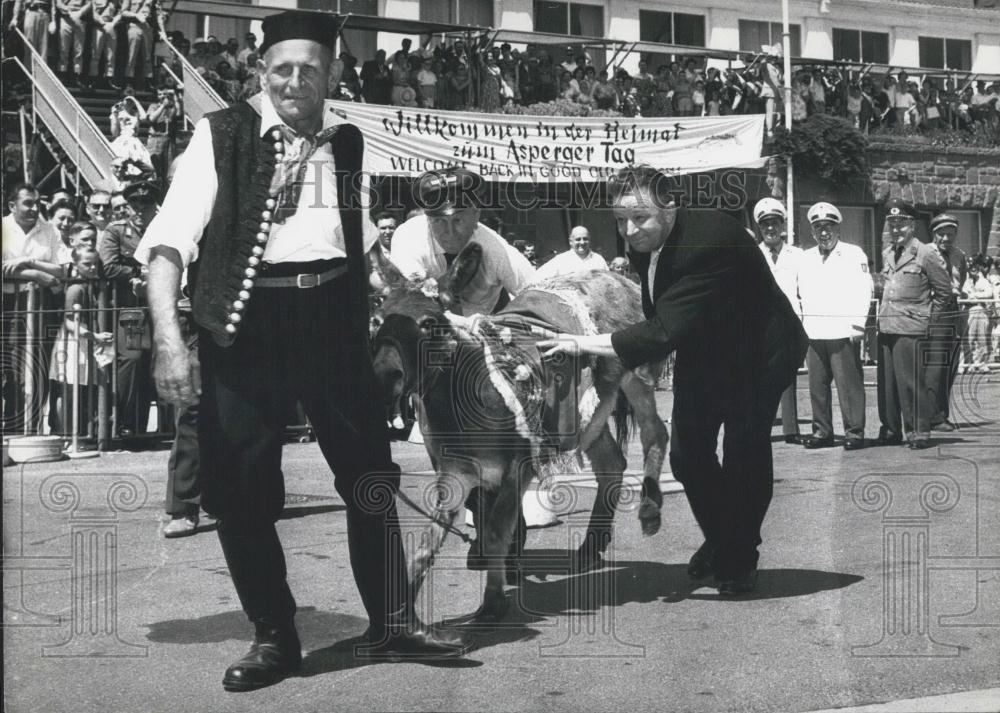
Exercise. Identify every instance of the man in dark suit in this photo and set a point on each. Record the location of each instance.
(376, 80)
(709, 296)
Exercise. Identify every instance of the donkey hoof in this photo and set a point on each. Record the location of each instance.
(494, 608)
(649, 517)
(586, 559)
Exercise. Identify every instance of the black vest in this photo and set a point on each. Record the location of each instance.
(244, 165)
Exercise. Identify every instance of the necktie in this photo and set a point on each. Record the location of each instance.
(290, 172)
(774, 257)
(897, 253)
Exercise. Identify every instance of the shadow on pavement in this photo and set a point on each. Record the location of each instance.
(551, 589)
(291, 513)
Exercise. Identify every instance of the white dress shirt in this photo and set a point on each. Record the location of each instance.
(654, 261)
(836, 293)
(42, 243)
(313, 232)
(418, 257)
(786, 272)
(569, 263)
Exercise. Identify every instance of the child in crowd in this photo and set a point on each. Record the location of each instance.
(79, 350)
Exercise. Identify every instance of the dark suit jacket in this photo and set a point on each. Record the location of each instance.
(716, 304)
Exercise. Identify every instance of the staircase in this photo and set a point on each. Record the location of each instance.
(97, 104)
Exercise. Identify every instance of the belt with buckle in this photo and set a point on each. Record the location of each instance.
(303, 281)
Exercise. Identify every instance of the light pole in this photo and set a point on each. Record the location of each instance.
(786, 42)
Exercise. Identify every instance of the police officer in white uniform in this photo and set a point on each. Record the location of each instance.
(836, 289)
(784, 261)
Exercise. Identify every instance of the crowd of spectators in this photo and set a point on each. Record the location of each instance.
(490, 79)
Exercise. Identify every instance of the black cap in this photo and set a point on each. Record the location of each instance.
(895, 208)
(144, 189)
(294, 25)
(447, 191)
(945, 220)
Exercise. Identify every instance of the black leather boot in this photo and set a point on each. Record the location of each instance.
(405, 636)
(275, 654)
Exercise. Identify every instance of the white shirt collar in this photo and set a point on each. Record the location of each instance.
(269, 118)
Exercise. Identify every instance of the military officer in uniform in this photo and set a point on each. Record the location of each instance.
(836, 291)
(37, 14)
(942, 361)
(784, 261)
(917, 290)
(104, 14)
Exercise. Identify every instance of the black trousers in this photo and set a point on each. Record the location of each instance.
(836, 360)
(729, 500)
(183, 467)
(294, 345)
(904, 404)
(942, 359)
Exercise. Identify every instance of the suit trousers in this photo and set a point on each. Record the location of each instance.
(140, 50)
(183, 481)
(71, 40)
(942, 359)
(36, 29)
(729, 500)
(836, 360)
(903, 406)
(790, 410)
(102, 47)
(295, 345)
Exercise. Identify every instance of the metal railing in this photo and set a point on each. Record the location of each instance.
(77, 134)
(199, 97)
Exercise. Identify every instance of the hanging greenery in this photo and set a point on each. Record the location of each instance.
(825, 147)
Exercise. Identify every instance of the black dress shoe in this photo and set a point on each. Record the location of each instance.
(702, 562)
(275, 653)
(890, 439)
(854, 444)
(919, 444)
(417, 641)
(795, 439)
(813, 442)
(734, 587)
(945, 426)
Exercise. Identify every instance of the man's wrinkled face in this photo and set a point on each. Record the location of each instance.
(386, 228)
(642, 222)
(295, 74)
(771, 229)
(24, 208)
(901, 229)
(826, 233)
(452, 232)
(944, 238)
(143, 209)
(119, 207)
(579, 242)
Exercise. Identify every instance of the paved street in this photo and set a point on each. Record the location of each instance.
(880, 581)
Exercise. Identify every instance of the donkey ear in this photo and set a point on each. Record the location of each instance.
(466, 267)
(390, 274)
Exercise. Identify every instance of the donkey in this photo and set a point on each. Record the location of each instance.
(488, 406)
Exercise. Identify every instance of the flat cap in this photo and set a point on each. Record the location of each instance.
(945, 220)
(895, 208)
(148, 189)
(295, 25)
(447, 191)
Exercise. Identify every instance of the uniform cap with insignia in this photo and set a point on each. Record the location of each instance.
(768, 208)
(146, 190)
(824, 211)
(296, 25)
(441, 193)
(945, 220)
(897, 209)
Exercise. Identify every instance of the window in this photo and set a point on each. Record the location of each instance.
(942, 53)
(672, 28)
(754, 35)
(861, 46)
(569, 18)
(478, 13)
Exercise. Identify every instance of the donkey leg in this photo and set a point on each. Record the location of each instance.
(609, 468)
(430, 544)
(653, 435)
(497, 533)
